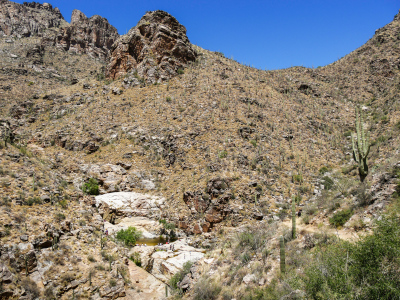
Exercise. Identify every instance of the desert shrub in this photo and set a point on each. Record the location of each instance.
(325, 278)
(341, 217)
(376, 261)
(91, 258)
(33, 200)
(5, 201)
(368, 269)
(59, 217)
(206, 289)
(113, 282)
(136, 259)
(91, 187)
(298, 178)
(49, 293)
(63, 203)
(166, 225)
(180, 71)
(129, 236)
(324, 170)
(67, 278)
(30, 287)
(180, 275)
(223, 154)
(327, 182)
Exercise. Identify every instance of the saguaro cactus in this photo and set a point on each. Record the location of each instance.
(361, 152)
(282, 255)
(293, 217)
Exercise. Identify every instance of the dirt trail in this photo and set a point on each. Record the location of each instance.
(344, 233)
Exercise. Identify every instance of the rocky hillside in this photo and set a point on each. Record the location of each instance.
(167, 131)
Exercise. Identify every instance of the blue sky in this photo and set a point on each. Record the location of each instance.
(269, 34)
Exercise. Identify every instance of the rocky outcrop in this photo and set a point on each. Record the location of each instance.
(28, 19)
(155, 49)
(162, 262)
(115, 178)
(130, 203)
(93, 36)
(213, 204)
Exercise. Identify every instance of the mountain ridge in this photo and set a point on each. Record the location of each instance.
(225, 146)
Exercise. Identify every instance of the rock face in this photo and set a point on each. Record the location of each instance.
(212, 203)
(93, 36)
(163, 263)
(115, 178)
(131, 203)
(28, 19)
(154, 49)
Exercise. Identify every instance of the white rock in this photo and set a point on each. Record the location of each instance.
(133, 203)
(249, 278)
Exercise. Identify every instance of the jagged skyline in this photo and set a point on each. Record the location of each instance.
(264, 34)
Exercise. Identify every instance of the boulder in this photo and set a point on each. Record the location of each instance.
(155, 49)
(5, 275)
(41, 242)
(249, 278)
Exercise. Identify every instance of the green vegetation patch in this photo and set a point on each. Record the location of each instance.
(129, 236)
(341, 217)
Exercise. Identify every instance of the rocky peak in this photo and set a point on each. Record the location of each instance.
(24, 20)
(154, 49)
(93, 36)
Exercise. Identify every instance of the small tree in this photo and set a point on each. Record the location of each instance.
(361, 151)
(129, 236)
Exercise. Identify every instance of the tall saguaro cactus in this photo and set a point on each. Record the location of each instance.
(361, 152)
(293, 217)
(282, 255)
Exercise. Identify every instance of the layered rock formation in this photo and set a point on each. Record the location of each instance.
(28, 19)
(93, 36)
(155, 49)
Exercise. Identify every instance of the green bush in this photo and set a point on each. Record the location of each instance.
(298, 178)
(327, 182)
(368, 269)
(91, 187)
(129, 236)
(324, 170)
(166, 225)
(341, 217)
(136, 259)
(223, 154)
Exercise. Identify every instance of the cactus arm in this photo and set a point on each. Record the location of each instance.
(367, 146)
(354, 148)
(362, 130)
(359, 134)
